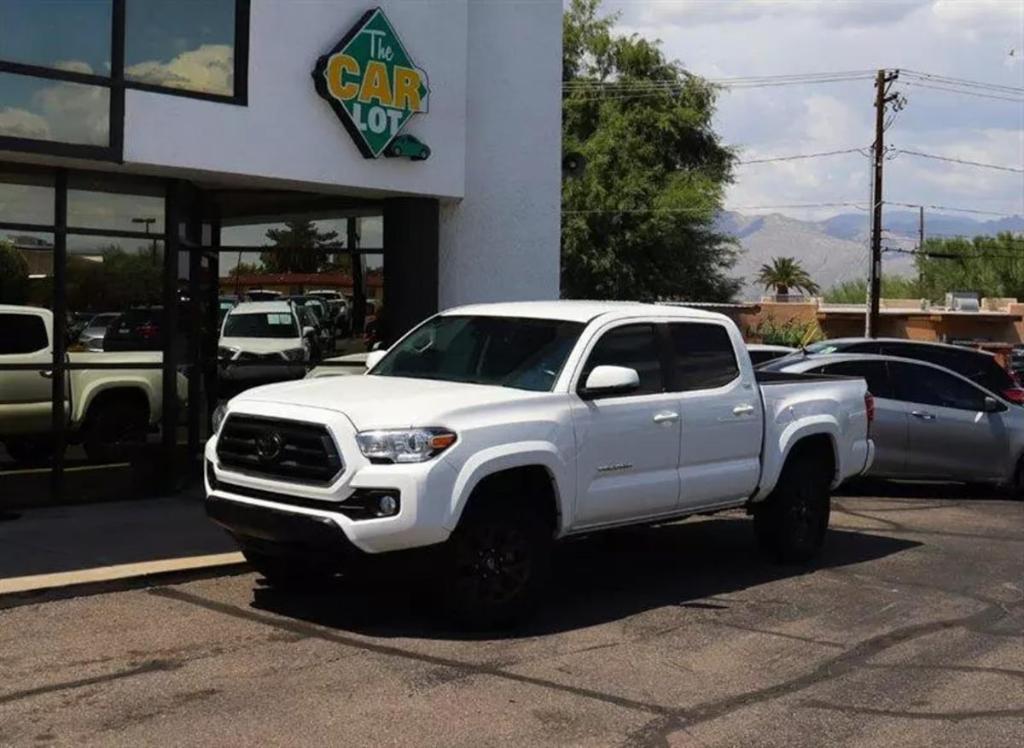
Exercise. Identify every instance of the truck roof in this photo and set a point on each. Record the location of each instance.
(580, 311)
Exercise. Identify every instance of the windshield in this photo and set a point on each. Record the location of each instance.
(526, 354)
(261, 325)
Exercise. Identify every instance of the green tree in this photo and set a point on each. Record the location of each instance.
(785, 273)
(299, 247)
(13, 274)
(989, 265)
(246, 268)
(117, 280)
(856, 291)
(639, 222)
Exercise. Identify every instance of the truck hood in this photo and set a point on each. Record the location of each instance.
(261, 345)
(372, 402)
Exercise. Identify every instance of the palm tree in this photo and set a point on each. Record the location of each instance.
(785, 273)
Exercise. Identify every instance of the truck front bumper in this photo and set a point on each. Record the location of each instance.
(258, 510)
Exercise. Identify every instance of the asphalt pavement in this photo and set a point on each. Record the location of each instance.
(909, 631)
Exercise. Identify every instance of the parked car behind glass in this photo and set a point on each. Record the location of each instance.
(930, 422)
(96, 329)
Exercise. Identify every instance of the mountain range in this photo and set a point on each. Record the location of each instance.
(835, 249)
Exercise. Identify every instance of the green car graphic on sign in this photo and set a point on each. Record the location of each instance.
(374, 87)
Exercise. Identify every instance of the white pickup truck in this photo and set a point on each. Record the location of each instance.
(491, 431)
(104, 407)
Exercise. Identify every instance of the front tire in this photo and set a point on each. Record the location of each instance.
(497, 564)
(790, 524)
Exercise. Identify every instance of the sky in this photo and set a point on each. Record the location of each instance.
(969, 39)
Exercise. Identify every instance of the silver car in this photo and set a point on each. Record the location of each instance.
(930, 422)
(92, 336)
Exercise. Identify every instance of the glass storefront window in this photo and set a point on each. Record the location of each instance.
(26, 268)
(69, 35)
(94, 203)
(26, 198)
(58, 111)
(184, 44)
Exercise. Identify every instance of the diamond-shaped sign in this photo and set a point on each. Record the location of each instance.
(374, 87)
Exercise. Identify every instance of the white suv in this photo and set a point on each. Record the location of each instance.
(263, 341)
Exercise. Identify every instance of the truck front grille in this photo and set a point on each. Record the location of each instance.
(279, 449)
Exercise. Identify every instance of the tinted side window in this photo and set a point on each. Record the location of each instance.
(874, 372)
(702, 356)
(21, 333)
(635, 346)
(928, 386)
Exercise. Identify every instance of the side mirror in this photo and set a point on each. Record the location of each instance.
(606, 381)
(373, 358)
(308, 331)
(992, 405)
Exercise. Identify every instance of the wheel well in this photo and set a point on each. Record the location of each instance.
(126, 396)
(531, 486)
(817, 447)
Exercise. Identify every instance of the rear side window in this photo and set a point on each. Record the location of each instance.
(976, 366)
(634, 346)
(702, 356)
(21, 333)
(876, 373)
(929, 386)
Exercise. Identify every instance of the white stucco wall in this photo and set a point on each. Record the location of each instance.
(501, 241)
(287, 132)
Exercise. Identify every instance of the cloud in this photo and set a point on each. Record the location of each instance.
(209, 68)
(718, 12)
(75, 113)
(19, 123)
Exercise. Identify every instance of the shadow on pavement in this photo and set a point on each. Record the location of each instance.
(876, 487)
(597, 579)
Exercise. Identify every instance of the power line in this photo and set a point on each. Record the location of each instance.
(963, 82)
(960, 161)
(965, 92)
(792, 206)
(953, 210)
(800, 156)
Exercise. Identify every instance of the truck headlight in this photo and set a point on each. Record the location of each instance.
(294, 354)
(226, 354)
(218, 417)
(404, 445)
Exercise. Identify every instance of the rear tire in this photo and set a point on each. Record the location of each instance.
(1016, 489)
(790, 524)
(496, 564)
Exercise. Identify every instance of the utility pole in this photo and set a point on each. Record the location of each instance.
(882, 98)
(920, 228)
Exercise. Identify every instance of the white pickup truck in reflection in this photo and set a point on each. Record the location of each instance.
(105, 408)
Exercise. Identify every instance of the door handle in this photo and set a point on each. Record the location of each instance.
(922, 415)
(666, 416)
(46, 373)
(743, 410)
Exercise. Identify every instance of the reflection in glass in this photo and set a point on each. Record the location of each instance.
(116, 275)
(187, 44)
(63, 34)
(26, 268)
(42, 109)
(26, 198)
(96, 209)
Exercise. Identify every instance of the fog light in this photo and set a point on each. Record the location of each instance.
(386, 505)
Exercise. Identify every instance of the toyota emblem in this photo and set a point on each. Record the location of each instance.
(269, 445)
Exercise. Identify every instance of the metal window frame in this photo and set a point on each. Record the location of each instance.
(117, 85)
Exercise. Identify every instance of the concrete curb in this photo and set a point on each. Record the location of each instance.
(16, 591)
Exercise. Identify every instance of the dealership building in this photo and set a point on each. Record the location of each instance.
(160, 160)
